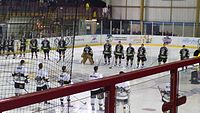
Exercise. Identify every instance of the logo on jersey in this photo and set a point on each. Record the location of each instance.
(68, 41)
(167, 40)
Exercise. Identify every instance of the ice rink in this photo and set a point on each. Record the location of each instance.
(144, 94)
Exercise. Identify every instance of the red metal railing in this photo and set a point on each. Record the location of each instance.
(109, 84)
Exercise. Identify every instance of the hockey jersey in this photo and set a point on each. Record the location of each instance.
(19, 75)
(22, 42)
(163, 52)
(10, 43)
(119, 49)
(196, 53)
(130, 51)
(45, 45)
(107, 48)
(33, 44)
(95, 76)
(41, 78)
(184, 53)
(61, 44)
(123, 90)
(64, 79)
(141, 52)
(87, 50)
(1, 43)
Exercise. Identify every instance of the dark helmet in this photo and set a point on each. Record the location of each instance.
(95, 68)
(121, 72)
(63, 68)
(40, 66)
(22, 62)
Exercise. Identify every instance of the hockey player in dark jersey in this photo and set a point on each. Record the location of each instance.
(11, 46)
(162, 57)
(61, 48)
(4, 45)
(64, 79)
(46, 48)
(34, 47)
(141, 56)
(184, 54)
(130, 51)
(87, 54)
(197, 52)
(107, 52)
(22, 46)
(1, 45)
(119, 53)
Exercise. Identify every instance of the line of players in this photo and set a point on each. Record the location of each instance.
(9, 44)
(130, 52)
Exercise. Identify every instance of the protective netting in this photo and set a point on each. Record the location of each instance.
(31, 20)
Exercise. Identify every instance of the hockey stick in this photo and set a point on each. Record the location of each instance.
(160, 91)
(153, 62)
(26, 90)
(99, 62)
(111, 65)
(80, 100)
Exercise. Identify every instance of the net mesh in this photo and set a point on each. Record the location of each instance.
(32, 20)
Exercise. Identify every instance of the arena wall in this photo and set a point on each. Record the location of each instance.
(95, 40)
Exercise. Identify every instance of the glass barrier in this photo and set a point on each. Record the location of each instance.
(143, 95)
(135, 28)
(189, 86)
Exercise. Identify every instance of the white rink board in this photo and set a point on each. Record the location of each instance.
(125, 39)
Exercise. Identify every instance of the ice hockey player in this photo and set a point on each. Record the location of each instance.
(20, 78)
(42, 79)
(130, 51)
(22, 46)
(119, 53)
(11, 46)
(165, 93)
(34, 47)
(46, 48)
(4, 45)
(184, 54)
(107, 52)
(141, 55)
(162, 57)
(197, 52)
(1, 46)
(122, 94)
(87, 54)
(64, 79)
(61, 48)
(96, 92)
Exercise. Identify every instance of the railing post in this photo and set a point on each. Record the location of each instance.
(110, 99)
(174, 90)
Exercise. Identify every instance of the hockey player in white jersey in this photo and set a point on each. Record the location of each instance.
(42, 79)
(122, 94)
(64, 79)
(20, 78)
(99, 93)
(165, 92)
